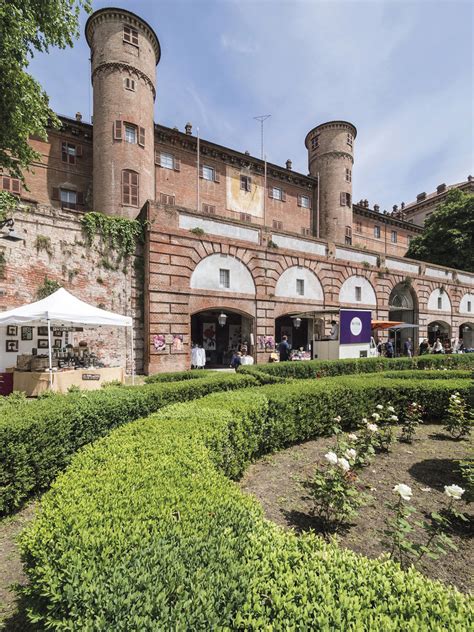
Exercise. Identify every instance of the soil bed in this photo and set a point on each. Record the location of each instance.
(426, 465)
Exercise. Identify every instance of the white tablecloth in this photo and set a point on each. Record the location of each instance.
(247, 359)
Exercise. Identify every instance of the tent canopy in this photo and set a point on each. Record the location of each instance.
(385, 324)
(60, 308)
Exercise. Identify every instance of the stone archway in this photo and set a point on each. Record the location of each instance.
(403, 307)
(466, 333)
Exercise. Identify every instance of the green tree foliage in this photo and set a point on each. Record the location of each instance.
(28, 26)
(448, 238)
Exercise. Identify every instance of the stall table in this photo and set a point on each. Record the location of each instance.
(35, 383)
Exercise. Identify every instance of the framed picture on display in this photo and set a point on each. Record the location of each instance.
(42, 331)
(58, 343)
(12, 330)
(11, 346)
(27, 333)
(42, 343)
(57, 333)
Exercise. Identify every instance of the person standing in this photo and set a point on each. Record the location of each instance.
(389, 348)
(424, 347)
(284, 349)
(334, 334)
(438, 347)
(408, 348)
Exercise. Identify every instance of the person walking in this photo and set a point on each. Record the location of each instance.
(236, 361)
(408, 348)
(284, 349)
(389, 348)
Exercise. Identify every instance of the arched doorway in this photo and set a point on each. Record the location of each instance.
(220, 332)
(466, 333)
(439, 329)
(403, 307)
(299, 331)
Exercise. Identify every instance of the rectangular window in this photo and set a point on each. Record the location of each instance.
(440, 302)
(306, 232)
(277, 225)
(304, 201)
(130, 133)
(348, 175)
(276, 193)
(348, 236)
(68, 198)
(394, 237)
(209, 208)
(469, 306)
(169, 200)
(166, 161)
(315, 142)
(130, 189)
(68, 153)
(224, 278)
(377, 232)
(129, 84)
(345, 199)
(245, 183)
(358, 227)
(245, 217)
(358, 294)
(349, 139)
(130, 35)
(208, 173)
(300, 287)
(10, 184)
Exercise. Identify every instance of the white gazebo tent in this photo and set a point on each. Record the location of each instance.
(61, 308)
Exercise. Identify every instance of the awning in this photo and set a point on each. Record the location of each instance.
(60, 308)
(385, 324)
(403, 326)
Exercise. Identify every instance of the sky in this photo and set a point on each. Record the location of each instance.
(401, 71)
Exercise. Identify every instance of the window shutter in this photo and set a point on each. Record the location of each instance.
(217, 177)
(348, 198)
(300, 203)
(118, 130)
(80, 198)
(176, 164)
(248, 184)
(343, 199)
(141, 136)
(283, 196)
(200, 171)
(310, 202)
(270, 193)
(6, 183)
(55, 195)
(16, 185)
(79, 151)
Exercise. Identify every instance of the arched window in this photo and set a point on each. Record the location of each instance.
(130, 188)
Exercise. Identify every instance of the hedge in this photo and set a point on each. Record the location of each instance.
(325, 368)
(180, 375)
(436, 374)
(145, 531)
(37, 438)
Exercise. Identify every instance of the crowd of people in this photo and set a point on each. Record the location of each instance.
(439, 346)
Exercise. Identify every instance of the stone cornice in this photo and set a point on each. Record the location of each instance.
(120, 65)
(231, 157)
(332, 125)
(334, 154)
(386, 219)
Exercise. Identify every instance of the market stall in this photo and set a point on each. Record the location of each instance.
(62, 365)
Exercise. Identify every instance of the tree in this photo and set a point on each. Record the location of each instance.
(448, 236)
(27, 26)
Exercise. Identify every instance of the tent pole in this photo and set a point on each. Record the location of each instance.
(133, 356)
(50, 354)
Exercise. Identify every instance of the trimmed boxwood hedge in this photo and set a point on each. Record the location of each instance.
(180, 375)
(325, 368)
(37, 438)
(435, 374)
(146, 531)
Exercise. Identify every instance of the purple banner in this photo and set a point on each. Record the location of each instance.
(354, 326)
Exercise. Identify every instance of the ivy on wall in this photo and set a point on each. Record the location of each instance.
(118, 233)
(49, 286)
(8, 204)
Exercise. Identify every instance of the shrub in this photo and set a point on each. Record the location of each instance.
(38, 438)
(466, 469)
(459, 419)
(145, 531)
(325, 368)
(180, 376)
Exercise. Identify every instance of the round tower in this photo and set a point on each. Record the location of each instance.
(124, 54)
(331, 156)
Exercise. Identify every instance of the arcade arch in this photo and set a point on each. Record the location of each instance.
(223, 273)
(357, 289)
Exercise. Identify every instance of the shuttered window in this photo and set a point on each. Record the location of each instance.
(69, 152)
(129, 84)
(277, 225)
(10, 184)
(276, 193)
(130, 188)
(69, 199)
(245, 183)
(304, 201)
(345, 199)
(167, 199)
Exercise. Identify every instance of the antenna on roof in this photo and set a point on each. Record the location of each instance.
(262, 120)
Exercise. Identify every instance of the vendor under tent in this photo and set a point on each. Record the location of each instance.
(398, 328)
(62, 309)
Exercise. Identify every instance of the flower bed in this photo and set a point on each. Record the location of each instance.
(145, 531)
(323, 368)
(38, 438)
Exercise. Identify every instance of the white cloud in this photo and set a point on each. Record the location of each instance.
(238, 46)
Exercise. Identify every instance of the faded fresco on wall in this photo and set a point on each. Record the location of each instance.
(247, 200)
